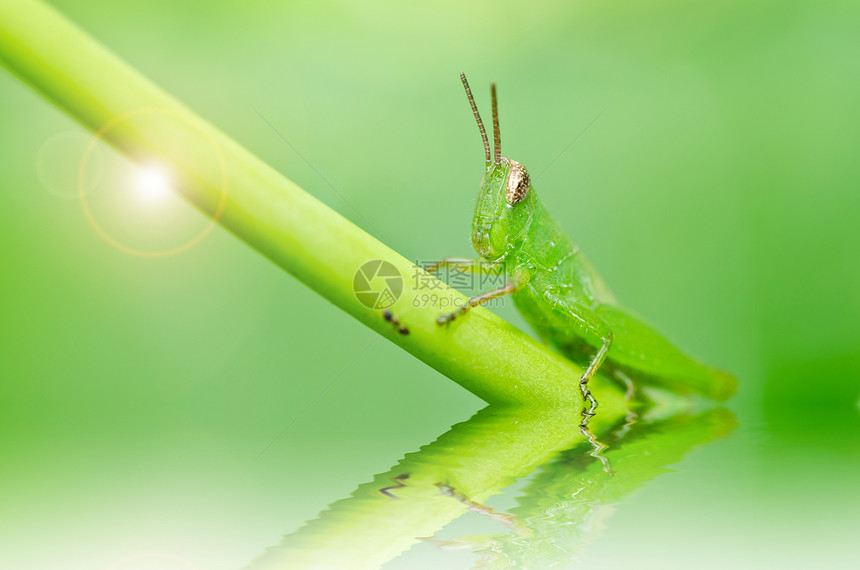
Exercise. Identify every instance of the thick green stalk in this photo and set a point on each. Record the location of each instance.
(484, 354)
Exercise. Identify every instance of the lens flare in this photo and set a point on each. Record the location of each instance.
(152, 182)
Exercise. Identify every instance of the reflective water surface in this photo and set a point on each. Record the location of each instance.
(559, 499)
(677, 486)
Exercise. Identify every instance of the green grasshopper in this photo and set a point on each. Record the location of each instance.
(559, 292)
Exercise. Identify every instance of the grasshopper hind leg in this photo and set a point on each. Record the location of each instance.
(572, 326)
(587, 396)
(590, 401)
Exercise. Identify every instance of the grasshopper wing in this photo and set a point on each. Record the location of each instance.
(639, 349)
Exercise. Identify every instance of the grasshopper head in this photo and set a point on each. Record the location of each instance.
(506, 202)
(504, 211)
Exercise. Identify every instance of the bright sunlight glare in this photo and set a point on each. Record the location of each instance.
(152, 183)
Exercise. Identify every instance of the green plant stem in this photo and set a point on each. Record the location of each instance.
(482, 353)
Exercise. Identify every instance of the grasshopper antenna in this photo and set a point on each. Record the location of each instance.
(477, 117)
(497, 135)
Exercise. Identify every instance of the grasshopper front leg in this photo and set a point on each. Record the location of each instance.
(509, 287)
(462, 264)
(517, 282)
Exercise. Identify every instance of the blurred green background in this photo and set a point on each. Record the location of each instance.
(719, 195)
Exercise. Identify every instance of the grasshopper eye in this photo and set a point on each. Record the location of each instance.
(518, 183)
